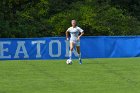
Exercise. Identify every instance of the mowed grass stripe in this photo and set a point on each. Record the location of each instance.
(54, 76)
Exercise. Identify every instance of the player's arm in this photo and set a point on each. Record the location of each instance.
(82, 33)
(67, 35)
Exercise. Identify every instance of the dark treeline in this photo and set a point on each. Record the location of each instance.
(42, 18)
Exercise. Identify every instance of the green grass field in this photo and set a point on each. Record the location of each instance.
(54, 76)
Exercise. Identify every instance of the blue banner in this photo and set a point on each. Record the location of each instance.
(58, 47)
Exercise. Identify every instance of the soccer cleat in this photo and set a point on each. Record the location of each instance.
(80, 61)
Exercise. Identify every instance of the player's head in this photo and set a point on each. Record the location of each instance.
(73, 23)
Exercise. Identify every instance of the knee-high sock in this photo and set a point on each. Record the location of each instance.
(79, 55)
(70, 54)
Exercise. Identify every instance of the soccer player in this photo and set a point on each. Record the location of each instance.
(75, 33)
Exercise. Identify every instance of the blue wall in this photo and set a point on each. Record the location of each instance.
(57, 47)
(112, 46)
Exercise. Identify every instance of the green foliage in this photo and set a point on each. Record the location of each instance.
(32, 20)
(95, 20)
(41, 18)
(132, 6)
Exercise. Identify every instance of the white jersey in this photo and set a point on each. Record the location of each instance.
(74, 32)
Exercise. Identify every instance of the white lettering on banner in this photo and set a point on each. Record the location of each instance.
(21, 45)
(51, 50)
(21, 49)
(38, 55)
(2, 49)
(67, 49)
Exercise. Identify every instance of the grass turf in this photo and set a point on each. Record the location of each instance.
(54, 76)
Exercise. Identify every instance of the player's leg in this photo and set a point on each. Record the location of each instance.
(78, 51)
(71, 49)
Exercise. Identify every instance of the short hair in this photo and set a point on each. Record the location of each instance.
(73, 20)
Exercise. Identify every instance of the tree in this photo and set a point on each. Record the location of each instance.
(95, 20)
(41, 18)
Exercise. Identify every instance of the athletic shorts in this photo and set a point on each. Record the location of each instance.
(76, 43)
